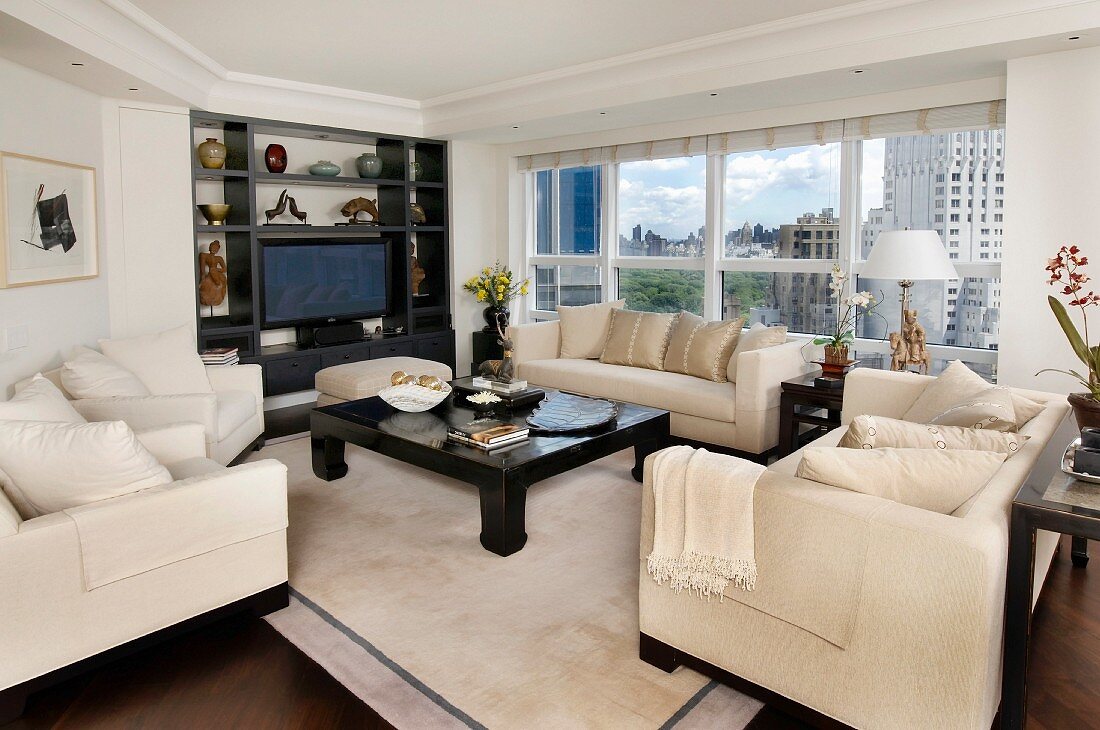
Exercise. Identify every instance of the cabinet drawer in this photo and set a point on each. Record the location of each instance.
(343, 357)
(291, 374)
(435, 348)
(391, 349)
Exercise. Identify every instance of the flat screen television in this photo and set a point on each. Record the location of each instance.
(324, 281)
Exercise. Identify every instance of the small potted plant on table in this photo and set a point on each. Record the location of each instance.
(848, 310)
(1067, 269)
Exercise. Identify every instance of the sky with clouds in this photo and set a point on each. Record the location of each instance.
(770, 187)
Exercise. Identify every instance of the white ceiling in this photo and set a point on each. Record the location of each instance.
(420, 49)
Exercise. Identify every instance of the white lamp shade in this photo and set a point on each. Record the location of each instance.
(915, 255)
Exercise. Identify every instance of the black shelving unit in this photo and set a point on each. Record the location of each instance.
(425, 320)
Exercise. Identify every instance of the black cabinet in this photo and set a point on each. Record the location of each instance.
(343, 357)
(440, 349)
(290, 374)
(391, 349)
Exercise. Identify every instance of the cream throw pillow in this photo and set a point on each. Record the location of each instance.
(932, 479)
(957, 383)
(584, 329)
(49, 467)
(638, 339)
(877, 432)
(167, 363)
(987, 409)
(40, 400)
(758, 337)
(701, 348)
(90, 374)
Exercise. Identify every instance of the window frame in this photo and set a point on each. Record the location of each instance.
(713, 264)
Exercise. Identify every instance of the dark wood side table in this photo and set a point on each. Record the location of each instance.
(1066, 506)
(800, 402)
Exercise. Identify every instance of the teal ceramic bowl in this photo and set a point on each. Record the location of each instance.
(324, 168)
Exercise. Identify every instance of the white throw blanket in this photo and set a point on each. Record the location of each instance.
(703, 521)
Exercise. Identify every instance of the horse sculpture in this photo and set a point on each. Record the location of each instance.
(355, 206)
(504, 370)
(909, 346)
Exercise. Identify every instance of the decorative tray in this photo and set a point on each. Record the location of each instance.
(1067, 464)
(565, 413)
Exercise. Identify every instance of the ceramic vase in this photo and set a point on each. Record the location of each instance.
(212, 154)
(1086, 410)
(496, 316)
(369, 165)
(275, 158)
(836, 355)
(324, 168)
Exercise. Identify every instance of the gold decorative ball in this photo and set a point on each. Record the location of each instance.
(407, 380)
(425, 381)
(397, 378)
(432, 382)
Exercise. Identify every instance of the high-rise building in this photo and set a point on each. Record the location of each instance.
(637, 233)
(579, 210)
(803, 299)
(952, 184)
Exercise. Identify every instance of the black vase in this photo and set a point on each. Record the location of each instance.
(494, 317)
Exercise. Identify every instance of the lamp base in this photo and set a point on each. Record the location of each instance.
(909, 347)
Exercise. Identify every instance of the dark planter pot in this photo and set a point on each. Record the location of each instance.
(1086, 410)
(495, 316)
(275, 158)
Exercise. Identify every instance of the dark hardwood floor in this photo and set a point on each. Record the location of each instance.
(240, 673)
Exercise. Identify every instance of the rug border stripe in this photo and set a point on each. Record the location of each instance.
(390, 664)
(690, 705)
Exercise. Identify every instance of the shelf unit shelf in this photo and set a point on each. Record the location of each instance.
(425, 321)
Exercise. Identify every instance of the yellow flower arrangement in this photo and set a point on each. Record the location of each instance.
(496, 286)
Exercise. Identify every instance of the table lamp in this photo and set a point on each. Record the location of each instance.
(908, 256)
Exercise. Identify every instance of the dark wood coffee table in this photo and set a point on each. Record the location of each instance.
(502, 477)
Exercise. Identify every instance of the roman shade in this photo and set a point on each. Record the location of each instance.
(989, 114)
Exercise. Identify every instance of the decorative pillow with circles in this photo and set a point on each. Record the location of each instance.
(990, 409)
(876, 432)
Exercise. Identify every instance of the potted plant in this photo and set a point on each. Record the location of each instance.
(1067, 270)
(848, 310)
(496, 286)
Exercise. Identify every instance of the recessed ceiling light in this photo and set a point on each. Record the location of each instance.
(1074, 38)
(602, 113)
(857, 71)
(714, 93)
(515, 126)
(76, 64)
(322, 136)
(133, 88)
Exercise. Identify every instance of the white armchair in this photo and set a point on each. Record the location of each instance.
(232, 416)
(84, 584)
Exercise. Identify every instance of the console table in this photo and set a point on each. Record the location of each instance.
(799, 400)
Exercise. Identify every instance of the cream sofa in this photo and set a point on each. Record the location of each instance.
(88, 580)
(743, 416)
(867, 611)
(232, 416)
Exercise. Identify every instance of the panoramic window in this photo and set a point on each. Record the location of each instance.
(568, 211)
(663, 207)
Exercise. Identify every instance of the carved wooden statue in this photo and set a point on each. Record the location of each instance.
(212, 281)
(900, 352)
(355, 206)
(502, 371)
(910, 346)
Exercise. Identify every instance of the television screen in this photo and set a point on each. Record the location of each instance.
(310, 282)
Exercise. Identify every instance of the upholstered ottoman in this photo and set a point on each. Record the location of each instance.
(356, 380)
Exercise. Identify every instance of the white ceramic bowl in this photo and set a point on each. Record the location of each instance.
(413, 398)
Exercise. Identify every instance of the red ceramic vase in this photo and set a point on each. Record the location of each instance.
(275, 158)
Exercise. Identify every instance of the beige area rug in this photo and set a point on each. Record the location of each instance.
(394, 595)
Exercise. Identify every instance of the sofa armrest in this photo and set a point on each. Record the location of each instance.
(149, 411)
(249, 378)
(174, 442)
(868, 391)
(535, 341)
(757, 390)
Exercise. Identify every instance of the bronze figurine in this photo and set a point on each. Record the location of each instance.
(502, 371)
(280, 208)
(212, 280)
(355, 206)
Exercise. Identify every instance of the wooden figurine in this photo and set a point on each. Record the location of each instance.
(416, 275)
(280, 208)
(212, 280)
(910, 346)
(502, 371)
(354, 207)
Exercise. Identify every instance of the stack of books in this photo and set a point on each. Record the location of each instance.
(488, 435)
(220, 356)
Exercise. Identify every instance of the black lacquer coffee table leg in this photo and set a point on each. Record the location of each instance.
(1079, 552)
(503, 507)
(328, 457)
(642, 449)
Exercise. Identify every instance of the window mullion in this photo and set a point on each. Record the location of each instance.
(851, 216)
(712, 279)
(610, 226)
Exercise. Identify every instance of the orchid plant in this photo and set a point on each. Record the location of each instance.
(848, 310)
(1067, 270)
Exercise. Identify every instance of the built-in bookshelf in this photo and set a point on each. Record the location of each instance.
(417, 325)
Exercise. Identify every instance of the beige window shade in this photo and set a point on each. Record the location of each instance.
(918, 121)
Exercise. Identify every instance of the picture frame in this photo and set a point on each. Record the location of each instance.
(48, 221)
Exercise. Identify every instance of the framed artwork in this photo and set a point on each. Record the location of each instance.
(47, 221)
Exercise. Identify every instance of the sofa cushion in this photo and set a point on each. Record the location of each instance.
(39, 400)
(956, 383)
(638, 339)
(355, 380)
(990, 409)
(877, 432)
(758, 337)
(166, 363)
(932, 479)
(91, 374)
(196, 466)
(49, 467)
(234, 408)
(701, 348)
(584, 329)
(656, 389)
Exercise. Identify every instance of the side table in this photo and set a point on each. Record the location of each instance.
(800, 402)
(1066, 506)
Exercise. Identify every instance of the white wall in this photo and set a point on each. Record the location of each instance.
(48, 118)
(475, 239)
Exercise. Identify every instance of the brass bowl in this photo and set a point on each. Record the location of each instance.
(214, 213)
